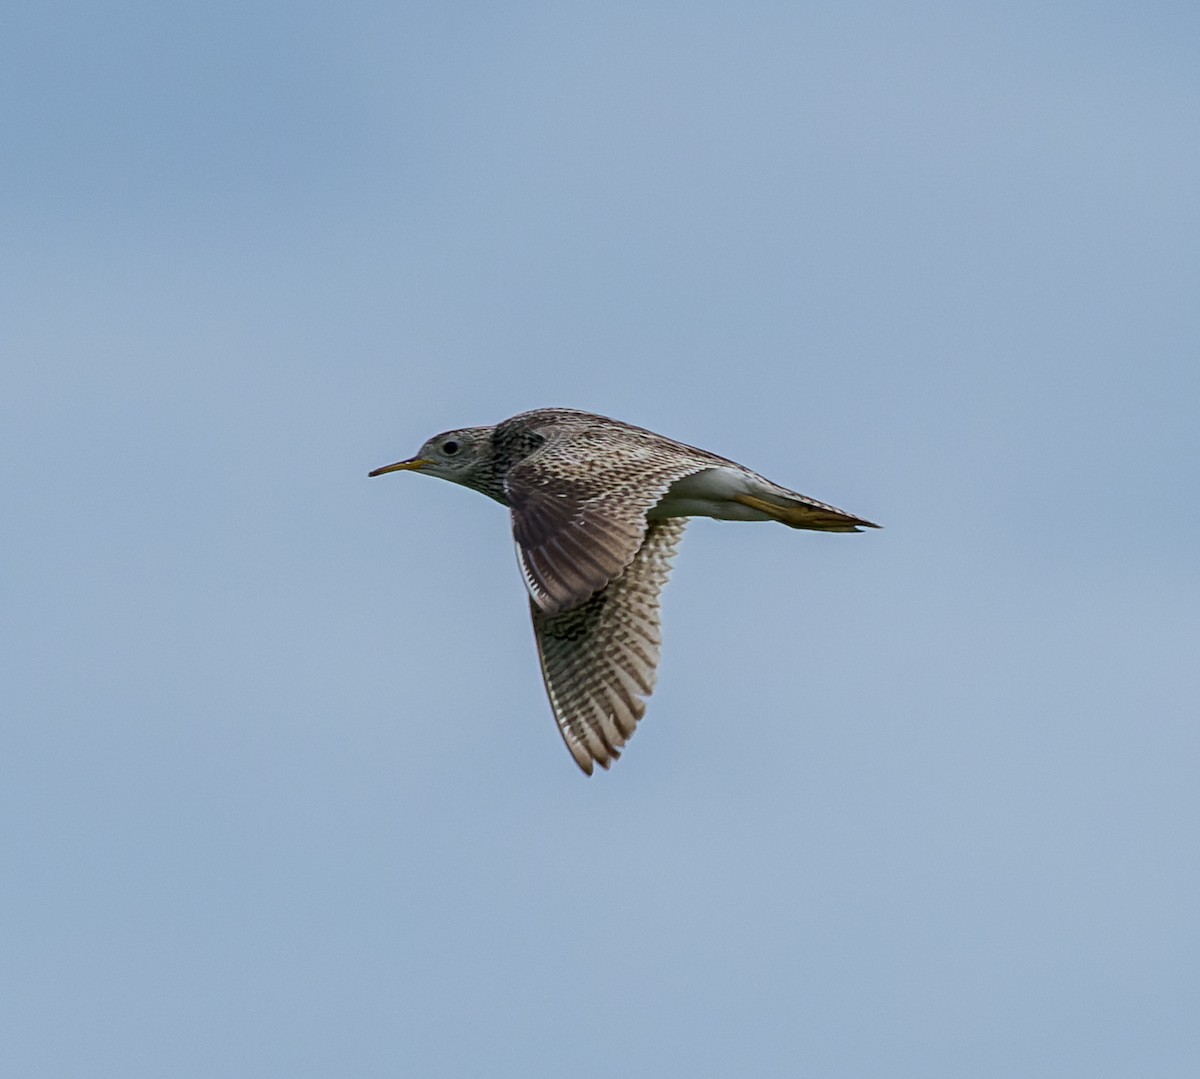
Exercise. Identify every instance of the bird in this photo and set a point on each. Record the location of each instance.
(598, 509)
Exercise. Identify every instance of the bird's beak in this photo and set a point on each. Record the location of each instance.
(402, 466)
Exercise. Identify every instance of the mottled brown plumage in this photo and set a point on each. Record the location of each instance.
(598, 508)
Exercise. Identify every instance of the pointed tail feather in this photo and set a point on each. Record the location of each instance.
(797, 511)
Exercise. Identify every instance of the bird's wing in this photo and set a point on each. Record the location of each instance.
(579, 513)
(599, 659)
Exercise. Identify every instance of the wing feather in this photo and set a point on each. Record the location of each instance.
(579, 506)
(599, 659)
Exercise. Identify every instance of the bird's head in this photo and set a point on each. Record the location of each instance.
(458, 456)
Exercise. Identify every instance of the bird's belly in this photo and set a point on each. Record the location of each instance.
(702, 507)
(709, 493)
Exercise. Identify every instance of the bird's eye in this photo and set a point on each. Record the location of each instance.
(450, 447)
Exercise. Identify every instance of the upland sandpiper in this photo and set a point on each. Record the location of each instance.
(598, 508)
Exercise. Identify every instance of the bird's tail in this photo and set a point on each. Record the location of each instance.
(799, 511)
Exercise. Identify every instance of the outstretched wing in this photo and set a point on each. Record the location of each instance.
(599, 659)
(579, 506)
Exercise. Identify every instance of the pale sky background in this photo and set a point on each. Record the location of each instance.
(280, 792)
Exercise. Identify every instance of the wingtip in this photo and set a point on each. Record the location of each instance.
(587, 760)
(585, 764)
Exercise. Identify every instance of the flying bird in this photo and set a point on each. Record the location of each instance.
(598, 508)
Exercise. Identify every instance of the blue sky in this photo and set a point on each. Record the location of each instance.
(281, 793)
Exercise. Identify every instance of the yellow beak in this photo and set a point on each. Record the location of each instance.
(402, 466)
